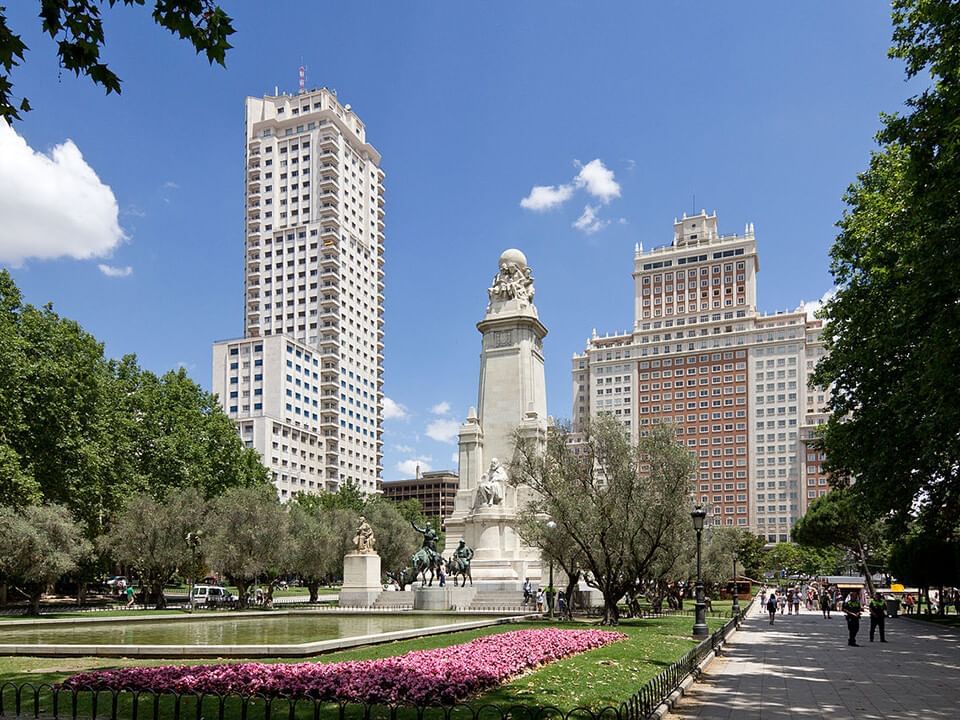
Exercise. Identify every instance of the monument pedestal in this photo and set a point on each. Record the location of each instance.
(361, 580)
(443, 598)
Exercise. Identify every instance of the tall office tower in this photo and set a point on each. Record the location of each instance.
(305, 383)
(702, 358)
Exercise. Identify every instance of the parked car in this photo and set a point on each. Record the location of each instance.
(211, 595)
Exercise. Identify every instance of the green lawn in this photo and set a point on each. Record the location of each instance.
(608, 675)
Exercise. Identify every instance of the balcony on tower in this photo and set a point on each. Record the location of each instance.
(329, 144)
(329, 183)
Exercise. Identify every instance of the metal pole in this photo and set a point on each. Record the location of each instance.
(700, 629)
(553, 592)
(736, 602)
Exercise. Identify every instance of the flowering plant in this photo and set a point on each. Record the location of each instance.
(422, 677)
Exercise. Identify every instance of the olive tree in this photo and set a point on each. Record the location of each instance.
(150, 537)
(247, 532)
(622, 505)
(38, 545)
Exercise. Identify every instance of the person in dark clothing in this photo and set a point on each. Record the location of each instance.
(772, 606)
(825, 603)
(878, 611)
(852, 609)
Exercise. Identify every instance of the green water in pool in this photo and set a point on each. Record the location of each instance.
(251, 630)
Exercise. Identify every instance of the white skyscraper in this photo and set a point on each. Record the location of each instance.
(305, 383)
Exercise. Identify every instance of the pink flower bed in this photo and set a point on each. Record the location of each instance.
(422, 677)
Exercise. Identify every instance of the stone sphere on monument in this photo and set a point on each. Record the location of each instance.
(513, 257)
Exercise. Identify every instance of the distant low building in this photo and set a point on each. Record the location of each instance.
(435, 490)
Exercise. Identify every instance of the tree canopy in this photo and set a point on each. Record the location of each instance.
(624, 506)
(892, 331)
(77, 28)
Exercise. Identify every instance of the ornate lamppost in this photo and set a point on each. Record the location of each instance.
(551, 593)
(700, 630)
(736, 601)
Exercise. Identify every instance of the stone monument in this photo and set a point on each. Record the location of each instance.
(361, 570)
(512, 396)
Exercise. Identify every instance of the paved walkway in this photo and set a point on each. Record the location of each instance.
(802, 667)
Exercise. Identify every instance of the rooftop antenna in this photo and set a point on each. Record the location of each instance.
(303, 77)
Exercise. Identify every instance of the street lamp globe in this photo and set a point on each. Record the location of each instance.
(699, 515)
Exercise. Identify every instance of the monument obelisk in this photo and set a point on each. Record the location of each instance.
(512, 398)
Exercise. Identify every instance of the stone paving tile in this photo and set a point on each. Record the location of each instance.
(801, 668)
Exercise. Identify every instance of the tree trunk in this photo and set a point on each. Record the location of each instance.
(314, 587)
(941, 602)
(611, 614)
(35, 596)
(569, 594)
(242, 588)
(156, 590)
(268, 596)
(3, 594)
(862, 561)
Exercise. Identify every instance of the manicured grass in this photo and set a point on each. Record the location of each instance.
(608, 675)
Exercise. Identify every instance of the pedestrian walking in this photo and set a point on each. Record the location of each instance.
(909, 602)
(852, 609)
(825, 604)
(790, 594)
(878, 611)
(772, 606)
(782, 601)
(130, 595)
(796, 601)
(541, 599)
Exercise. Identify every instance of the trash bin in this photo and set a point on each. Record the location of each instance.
(893, 607)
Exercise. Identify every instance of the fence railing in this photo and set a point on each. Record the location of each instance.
(44, 700)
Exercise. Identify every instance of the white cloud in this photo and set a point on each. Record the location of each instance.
(546, 197)
(406, 449)
(598, 181)
(394, 410)
(595, 178)
(114, 271)
(455, 459)
(443, 430)
(588, 222)
(813, 306)
(52, 205)
(408, 468)
(441, 408)
(171, 185)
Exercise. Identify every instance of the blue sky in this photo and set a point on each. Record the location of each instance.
(762, 111)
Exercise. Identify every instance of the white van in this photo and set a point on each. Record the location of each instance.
(210, 595)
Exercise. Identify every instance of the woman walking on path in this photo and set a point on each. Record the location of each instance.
(825, 604)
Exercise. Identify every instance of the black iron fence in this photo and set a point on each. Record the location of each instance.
(43, 700)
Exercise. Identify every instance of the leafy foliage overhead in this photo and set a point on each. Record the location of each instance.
(893, 328)
(77, 28)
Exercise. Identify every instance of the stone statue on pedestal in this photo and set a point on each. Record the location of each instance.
(492, 485)
(364, 541)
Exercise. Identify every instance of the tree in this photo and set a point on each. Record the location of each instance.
(77, 28)
(835, 521)
(150, 537)
(786, 559)
(926, 561)
(555, 546)
(246, 535)
(319, 538)
(396, 541)
(38, 545)
(622, 505)
(892, 331)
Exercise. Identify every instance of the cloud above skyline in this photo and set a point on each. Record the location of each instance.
(441, 408)
(444, 430)
(408, 468)
(53, 205)
(115, 271)
(394, 410)
(594, 178)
